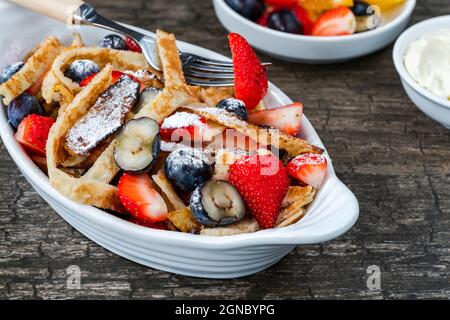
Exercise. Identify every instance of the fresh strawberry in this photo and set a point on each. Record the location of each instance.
(87, 80)
(182, 126)
(336, 22)
(33, 132)
(286, 119)
(249, 75)
(308, 168)
(262, 180)
(138, 196)
(304, 19)
(115, 76)
(156, 225)
(132, 45)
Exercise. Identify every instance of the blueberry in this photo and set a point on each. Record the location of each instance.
(113, 41)
(10, 70)
(361, 8)
(22, 106)
(187, 168)
(250, 9)
(235, 106)
(362, 13)
(285, 20)
(217, 203)
(81, 69)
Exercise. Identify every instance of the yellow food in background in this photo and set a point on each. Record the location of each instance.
(385, 4)
(318, 6)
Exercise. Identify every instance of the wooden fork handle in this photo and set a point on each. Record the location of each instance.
(62, 10)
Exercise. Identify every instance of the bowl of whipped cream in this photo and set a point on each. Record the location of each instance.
(422, 59)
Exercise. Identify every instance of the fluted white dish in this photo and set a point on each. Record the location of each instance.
(309, 49)
(333, 212)
(435, 107)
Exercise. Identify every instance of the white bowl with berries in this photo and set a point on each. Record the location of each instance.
(310, 31)
(332, 209)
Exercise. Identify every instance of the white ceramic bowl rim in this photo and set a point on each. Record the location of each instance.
(335, 224)
(363, 35)
(399, 54)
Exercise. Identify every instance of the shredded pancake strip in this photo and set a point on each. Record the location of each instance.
(175, 94)
(294, 146)
(86, 191)
(35, 68)
(57, 87)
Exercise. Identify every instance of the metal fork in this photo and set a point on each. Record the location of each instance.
(198, 71)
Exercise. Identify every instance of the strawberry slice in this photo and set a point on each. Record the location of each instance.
(33, 132)
(138, 196)
(183, 126)
(336, 22)
(262, 180)
(115, 76)
(249, 75)
(286, 119)
(308, 168)
(156, 225)
(132, 45)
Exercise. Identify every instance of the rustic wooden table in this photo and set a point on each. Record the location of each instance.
(394, 158)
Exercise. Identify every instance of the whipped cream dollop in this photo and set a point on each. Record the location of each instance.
(427, 60)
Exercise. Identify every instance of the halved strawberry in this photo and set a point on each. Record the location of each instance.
(308, 168)
(33, 132)
(183, 126)
(138, 196)
(305, 20)
(132, 45)
(250, 79)
(286, 119)
(336, 22)
(115, 76)
(262, 181)
(156, 225)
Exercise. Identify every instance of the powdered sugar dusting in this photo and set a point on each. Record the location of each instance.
(143, 75)
(80, 69)
(105, 117)
(223, 116)
(182, 120)
(170, 146)
(310, 159)
(188, 158)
